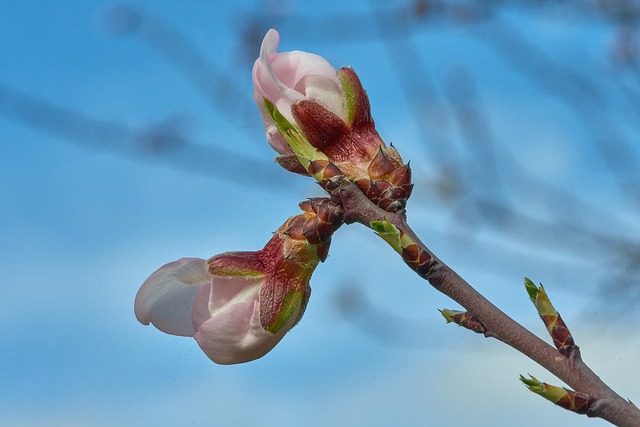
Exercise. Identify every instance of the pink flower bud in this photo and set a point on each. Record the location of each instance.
(239, 305)
(326, 117)
(288, 77)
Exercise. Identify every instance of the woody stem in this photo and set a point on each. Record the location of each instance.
(573, 371)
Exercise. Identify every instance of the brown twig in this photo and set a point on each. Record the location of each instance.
(573, 371)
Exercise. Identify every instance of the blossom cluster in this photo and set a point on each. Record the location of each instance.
(239, 305)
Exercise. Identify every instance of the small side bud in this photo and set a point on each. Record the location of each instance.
(464, 319)
(573, 401)
(415, 257)
(320, 219)
(560, 333)
(392, 193)
(389, 233)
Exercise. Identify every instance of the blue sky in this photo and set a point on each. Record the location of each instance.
(91, 207)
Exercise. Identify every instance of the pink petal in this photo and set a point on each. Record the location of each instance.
(268, 77)
(228, 290)
(265, 82)
(277, 141)
(269, 45)
(235, 335)
(282, 79)
(326, 92)
(166, 297)
(200, 308)
(223, 292)
(291, 67)
(278, 75)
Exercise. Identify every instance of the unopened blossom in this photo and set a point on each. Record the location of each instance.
(319, 120)
(239, 305)
(285, 78)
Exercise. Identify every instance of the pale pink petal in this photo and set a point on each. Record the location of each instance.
(200, 310)
(277, 75)
(277, 141)
(235, 335)
(268, 77)
(269, 45)
(265, 82)
(229, 290)
(265, 87)
(224, 292)
(166, 297)
(326, 92)
(274, 137)
(291, 67)
(284, 78)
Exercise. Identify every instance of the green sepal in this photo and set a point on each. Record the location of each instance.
(531, 288)
(349, 92)
(539, 298)
(292, 302)
(242, 273)
(229, 270)
(389, 233)
(301, 147)
(448, 314)
(549, 392)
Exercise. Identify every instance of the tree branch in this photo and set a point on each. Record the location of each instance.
(572, 370)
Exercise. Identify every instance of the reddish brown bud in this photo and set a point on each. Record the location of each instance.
(570, 400)
(560, 333)
(295, 227)
(390, 194)
(416, 258)
(322, 249)
(321, 127)
(556, 327)
(326, 210)
(464, 319)
(291, 163)
(577, 402)
(401, 177)
(321, 219)
(326, 173)
(394, 199)
(382, 165)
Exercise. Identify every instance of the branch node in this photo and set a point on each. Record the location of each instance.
(574, 357)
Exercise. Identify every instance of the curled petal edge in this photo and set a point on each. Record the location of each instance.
(166, 298)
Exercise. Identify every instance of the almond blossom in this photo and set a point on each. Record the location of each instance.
(239, 305)
(319, 120)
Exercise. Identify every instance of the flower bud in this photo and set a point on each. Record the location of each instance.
(570, 400)
(321, 116)
(560, 333)
(464, 319)
(239, 305)
(288, 77)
